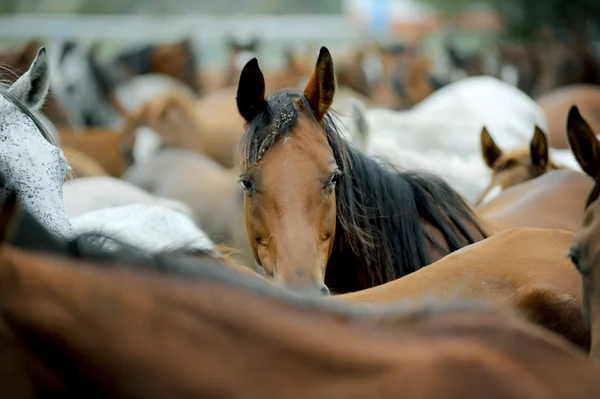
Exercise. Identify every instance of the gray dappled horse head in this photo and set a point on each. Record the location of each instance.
(32, 165)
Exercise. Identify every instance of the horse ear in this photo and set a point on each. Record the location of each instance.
(584, 144)
(489, 149)
(539, 148)
(9, 209)
(251, 91)
(321, 87)
(32, 87)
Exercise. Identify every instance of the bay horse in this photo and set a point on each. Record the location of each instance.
(319, 212)
(584, 248)
(71, 326)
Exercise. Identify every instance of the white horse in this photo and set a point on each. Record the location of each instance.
(35, 169)
(89, 194)
(451, 119)
(211, 191)
(441, 135)
(467, 176)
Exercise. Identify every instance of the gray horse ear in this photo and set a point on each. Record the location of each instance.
(32, 87)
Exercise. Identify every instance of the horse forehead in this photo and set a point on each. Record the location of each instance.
(303, 149)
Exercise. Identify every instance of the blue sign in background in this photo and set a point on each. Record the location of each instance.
(379, 12)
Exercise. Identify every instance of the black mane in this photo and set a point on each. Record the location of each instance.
(23, 231)
(381, 212)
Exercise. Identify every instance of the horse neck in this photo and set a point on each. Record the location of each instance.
(83, 307)
(431, 225)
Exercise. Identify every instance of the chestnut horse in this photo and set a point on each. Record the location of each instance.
(524, 269)
(516, 166)
(89, 328)
(584, 249)
(319, 211)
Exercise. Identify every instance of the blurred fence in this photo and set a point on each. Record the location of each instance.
(207, 33)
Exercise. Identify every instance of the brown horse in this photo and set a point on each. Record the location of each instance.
(318, 210)
(177, 60)
(89, 327)
(523, 269)
(557, 103)
(515, 166)
(81, 164)
(584, 249)
(102, 145)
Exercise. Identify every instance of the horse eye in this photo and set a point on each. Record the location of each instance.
(334, 179)
(247, 185)
(573, 255)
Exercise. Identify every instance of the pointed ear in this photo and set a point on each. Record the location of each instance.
(32, 87)
(321, 87)
(584, 144)
(539, 148)
(489, 149)
(251, 91)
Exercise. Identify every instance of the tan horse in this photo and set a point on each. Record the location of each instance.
(557, 103)
(523, 269)
(81, 164)
(57, 313)
(554, 200)
(515, 166)
(210, 125)
(102, 145)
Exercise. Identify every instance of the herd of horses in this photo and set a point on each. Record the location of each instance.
(317, 231)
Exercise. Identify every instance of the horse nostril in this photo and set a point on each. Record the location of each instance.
(324, 290)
